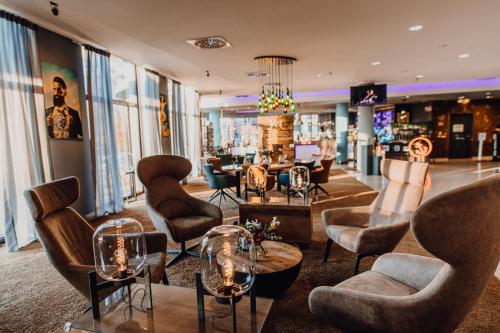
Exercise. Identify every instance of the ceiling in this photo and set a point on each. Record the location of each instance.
(335, 38)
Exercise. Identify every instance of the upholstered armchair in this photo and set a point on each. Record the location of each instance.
(410, 293)
(378, 228)
(67, 237)
(219, 182)
(173, 211)
(216, 162)
(321, 175)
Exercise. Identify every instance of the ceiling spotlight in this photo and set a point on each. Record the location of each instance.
(376, 63)
(54, 7)
(407, 96)
(419, 76)
(417, 27)
(463, 56)
(461, 97)
(488, 93)
(320, 75)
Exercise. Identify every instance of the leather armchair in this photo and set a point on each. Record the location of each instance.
(216, 162)
(67, 237)
(378, 228)
(173, 211)
(410, 293)
(321, 175)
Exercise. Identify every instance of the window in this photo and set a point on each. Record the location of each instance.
(126, 118)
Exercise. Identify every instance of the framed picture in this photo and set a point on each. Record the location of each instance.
(165, 126)
(62, 102)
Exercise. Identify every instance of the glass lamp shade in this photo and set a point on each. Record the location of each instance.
(257, 177)
(228, 261)
(299, 178)
(119, 249)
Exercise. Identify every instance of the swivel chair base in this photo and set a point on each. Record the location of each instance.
(181, 253)
(317, 187)
(221, 194)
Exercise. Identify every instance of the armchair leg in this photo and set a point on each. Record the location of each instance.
(164, 278)
(181, 253)
(230, 197)
(358, 260)
(328, 247)
(214, 195)
(322, 189)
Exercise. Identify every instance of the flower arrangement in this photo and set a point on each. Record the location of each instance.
(263, 231)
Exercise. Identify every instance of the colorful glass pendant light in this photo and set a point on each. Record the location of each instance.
(275, 84)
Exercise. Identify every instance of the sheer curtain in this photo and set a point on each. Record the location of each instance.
(108, 192)
(193, 128)
(149, 110)
(177, 116)
(21, 150)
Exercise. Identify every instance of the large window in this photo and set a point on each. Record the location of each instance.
(126, 117)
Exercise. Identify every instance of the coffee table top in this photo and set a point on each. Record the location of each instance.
(174, 310)
(282, 256)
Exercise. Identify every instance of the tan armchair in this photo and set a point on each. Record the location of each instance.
(67, 237)
(410, 293)
(377, 229)
(173, 211)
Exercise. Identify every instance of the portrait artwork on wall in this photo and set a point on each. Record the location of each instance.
(165, 127)
(62, 102)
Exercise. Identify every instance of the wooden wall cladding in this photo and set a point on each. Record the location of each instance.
(486, 115)
(277, 130)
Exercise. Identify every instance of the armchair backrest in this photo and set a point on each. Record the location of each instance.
(65, 235)
(462, 228)
(225, 159)
(402, 195)
(160, 175)
(216, 162)
(209, 172)
(322, 175)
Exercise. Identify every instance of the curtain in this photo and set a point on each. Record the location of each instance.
(177, 116)
(108, 192)
(149, 110)
(21, 107)
(193, 127)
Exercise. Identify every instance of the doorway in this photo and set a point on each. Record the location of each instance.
(460, 136)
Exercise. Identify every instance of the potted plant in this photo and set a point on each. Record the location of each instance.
(262, 231)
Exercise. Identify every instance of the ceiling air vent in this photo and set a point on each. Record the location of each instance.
(210, 43)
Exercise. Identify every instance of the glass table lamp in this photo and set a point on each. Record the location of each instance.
(300, 180)
(228, 261)
(119, 249)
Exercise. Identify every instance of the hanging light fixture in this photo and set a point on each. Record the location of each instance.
(275, 85)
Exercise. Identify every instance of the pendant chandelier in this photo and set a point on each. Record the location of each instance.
(275, 84)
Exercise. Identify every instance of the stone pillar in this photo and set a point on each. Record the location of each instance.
(214, 118)
(341, 126)
(366, 131)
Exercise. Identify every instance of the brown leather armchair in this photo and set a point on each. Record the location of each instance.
(173, 211)
(321, 175)
(67, 237)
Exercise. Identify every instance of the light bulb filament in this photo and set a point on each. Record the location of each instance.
(228, 272)
(121, 255)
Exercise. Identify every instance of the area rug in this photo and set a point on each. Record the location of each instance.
(35, 298)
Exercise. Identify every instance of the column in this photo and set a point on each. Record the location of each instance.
(341, 126)
(214, 118)
(366, 132)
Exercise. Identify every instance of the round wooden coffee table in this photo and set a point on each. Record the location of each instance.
(278, 271)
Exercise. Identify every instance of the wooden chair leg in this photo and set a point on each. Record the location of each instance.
(356, 267)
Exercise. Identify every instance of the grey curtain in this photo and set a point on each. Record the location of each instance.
(149, 110)
(108, 192)
(178, 117)
(20, 146)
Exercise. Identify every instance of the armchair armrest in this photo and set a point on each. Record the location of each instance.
(155, 242)
(206, 209)
(347, 216)
(382, 239)
(410, 269)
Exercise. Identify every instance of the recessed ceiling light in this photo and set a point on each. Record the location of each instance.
(461, 97)
(320, 75)
(463, 56)
(416, 27)
(407, 96)
(376, 63)
(419, 76)
(488, 93)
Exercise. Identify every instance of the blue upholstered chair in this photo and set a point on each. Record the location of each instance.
(219, 182)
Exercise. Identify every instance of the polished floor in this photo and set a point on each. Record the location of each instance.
(444, 176)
